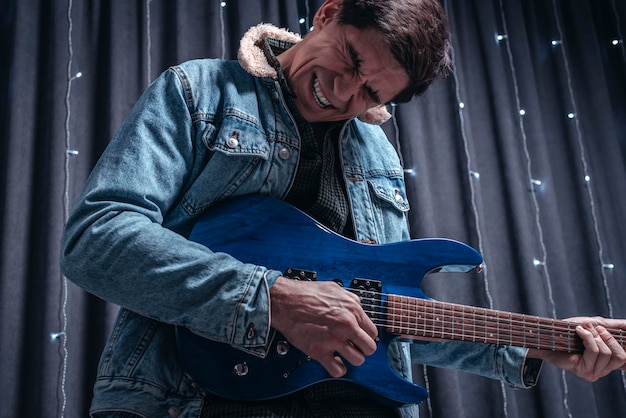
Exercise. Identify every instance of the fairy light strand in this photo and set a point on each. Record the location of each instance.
(222, 29)
(69, 154)
(149, 40)
(620, 40)
(472, 177)
(585, 166)
(542, 262)
(604, 266)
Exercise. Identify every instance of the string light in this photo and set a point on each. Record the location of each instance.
(616, 42)
(538, 263)
(462, 105)
(222, 30)
(608, 266)
(410, 171)
(571, 115)
(475, 174)
(56, 335)
(556, 42)
(522, 112)
(587, 179)
(500, 37)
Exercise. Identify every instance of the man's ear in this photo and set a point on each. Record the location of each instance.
(326, 13)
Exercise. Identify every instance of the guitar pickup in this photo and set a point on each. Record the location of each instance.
(297, 274)
(370, 293)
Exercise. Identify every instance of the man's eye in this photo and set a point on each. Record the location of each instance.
(373, 95)
(356, 61)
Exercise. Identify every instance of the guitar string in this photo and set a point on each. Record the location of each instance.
(517, 323)
(439, 310)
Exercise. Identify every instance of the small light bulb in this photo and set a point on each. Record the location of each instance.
(522, 112)
(571, 115)
(302, 20)
(462, 105)
(475, 174)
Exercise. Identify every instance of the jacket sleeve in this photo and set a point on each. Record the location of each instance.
(116, 247)
(509, 364)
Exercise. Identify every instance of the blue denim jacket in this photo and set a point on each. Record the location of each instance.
(206, 131)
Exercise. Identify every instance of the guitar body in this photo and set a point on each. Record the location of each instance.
(272, 233)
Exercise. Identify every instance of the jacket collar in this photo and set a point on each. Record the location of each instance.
(252, 58)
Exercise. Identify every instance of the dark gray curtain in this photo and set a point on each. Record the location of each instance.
(520, 153)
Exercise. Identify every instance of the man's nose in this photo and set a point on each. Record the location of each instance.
(347, 86)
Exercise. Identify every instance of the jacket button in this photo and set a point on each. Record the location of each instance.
(173, 411)
(233, 142)
(399, 197)
(284, 153)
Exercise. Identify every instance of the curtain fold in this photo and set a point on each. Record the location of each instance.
(521, 153)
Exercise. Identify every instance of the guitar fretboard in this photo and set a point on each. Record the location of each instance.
(423, 318)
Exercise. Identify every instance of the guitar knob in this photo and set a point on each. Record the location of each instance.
(282, 348)
(240, 369)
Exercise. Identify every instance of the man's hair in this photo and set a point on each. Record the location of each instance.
(416, 32)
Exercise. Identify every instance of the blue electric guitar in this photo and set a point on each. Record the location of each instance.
(387, 278)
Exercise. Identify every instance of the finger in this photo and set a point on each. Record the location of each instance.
(364, 342)
(351, 354)
(615, 352)
(602, 364)
(588, 334)
(333, 365)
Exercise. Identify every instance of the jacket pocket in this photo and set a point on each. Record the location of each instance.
(390, 206)
(237, 163)
(388, 192)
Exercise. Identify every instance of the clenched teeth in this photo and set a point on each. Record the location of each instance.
(319, 96)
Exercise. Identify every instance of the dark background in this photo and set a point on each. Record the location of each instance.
(553, 249)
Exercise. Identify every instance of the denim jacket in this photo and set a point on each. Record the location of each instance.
(203, 132)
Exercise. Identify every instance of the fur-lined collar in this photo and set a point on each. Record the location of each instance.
(253, 60)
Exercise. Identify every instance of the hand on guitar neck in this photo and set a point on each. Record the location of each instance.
(602, 355)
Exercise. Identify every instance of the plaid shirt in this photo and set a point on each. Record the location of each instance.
(318, 189)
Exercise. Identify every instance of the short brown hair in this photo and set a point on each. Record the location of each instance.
(416, 32)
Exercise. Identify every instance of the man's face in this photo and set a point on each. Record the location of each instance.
(338, 71)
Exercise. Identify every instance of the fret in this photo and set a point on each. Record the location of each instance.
(448, 321)
(474, 324)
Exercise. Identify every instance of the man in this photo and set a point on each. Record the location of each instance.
(295, 120)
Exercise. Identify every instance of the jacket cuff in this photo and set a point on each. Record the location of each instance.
(517, 369)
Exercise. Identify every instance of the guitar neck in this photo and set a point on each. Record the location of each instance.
(427, 319)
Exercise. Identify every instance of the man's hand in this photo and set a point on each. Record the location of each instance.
(602, 354)
(323, 320)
